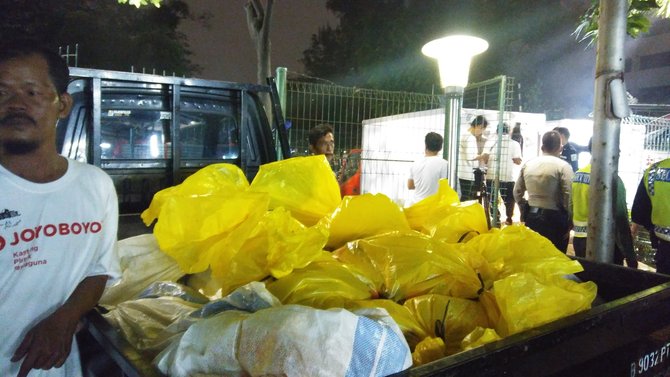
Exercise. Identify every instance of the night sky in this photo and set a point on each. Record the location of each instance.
(226, 52)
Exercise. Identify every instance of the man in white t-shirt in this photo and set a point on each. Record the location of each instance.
(510, 155)
(425, 173)
(471, 158)
(59, 220)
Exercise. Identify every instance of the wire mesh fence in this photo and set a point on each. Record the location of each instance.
(379, 133)
(644, 140)
(344, 108)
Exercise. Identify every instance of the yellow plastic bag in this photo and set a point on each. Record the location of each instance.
(429, 349)
(192, 229)
(223, 179)
(277, 244)
(526, 300)
(433, 206)
(449, 318)
(364, 216)
(407, 264)
(201, 212)
(323, 284)
(478, 337)
(306, 186)
(488, 301)
(517, 248)
(409, 326)
(459, 223)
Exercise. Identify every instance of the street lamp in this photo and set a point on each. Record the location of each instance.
(454, 54)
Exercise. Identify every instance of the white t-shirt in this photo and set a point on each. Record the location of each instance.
(52, 236)
(467, 152)
(426, 173)
(509, 150)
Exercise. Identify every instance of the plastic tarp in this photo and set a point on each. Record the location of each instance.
(290, 340)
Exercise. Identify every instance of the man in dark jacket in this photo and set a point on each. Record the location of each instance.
(570, 152)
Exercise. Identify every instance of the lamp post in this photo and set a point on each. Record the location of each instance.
(454, 54)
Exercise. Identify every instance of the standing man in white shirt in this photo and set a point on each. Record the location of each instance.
(470, 157)
(426, 172)
(510, 155)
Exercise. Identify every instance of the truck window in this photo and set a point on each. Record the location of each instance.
(134, 127)
(73, 142)
(208, 129)
(147, 141)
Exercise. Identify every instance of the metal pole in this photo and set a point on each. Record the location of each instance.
(452, 131)
(281, 91)
(607, 121)
(502, 96)
(281, 88)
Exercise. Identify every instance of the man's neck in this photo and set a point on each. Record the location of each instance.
(34, 167)
(431, 153)
(556, 153)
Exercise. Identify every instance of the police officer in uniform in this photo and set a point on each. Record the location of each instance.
(651, 209)
(548, 181)
(580, 216)
(569, 153)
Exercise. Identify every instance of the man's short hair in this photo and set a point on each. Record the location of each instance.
(317, 132)
(551, 141)
(479, 120)
(58, 69)
(563, 131)
(434, 141)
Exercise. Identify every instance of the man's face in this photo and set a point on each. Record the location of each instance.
(478, 130)
(29, 105)
(325, 145)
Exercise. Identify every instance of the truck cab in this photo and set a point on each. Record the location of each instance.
(150, 132)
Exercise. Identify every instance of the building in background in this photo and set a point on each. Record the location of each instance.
(647, 70)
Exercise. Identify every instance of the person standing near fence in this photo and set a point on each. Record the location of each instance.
(517, 136)
(651, 209)
(322, 141)
(569, 153)
(548, 181)
(424, 174)
(623, 248)
(510, 155)
(471, 157)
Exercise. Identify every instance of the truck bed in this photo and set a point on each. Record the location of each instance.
(626, 332)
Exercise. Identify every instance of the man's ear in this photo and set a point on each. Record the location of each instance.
(64, 105)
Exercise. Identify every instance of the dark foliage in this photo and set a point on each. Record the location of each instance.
(109, 35)
(377, 44)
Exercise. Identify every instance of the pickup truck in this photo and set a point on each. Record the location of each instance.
(150, 132)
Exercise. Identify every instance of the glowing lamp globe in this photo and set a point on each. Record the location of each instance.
(454, 54)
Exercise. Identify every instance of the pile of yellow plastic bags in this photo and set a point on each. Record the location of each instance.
(448, 281)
